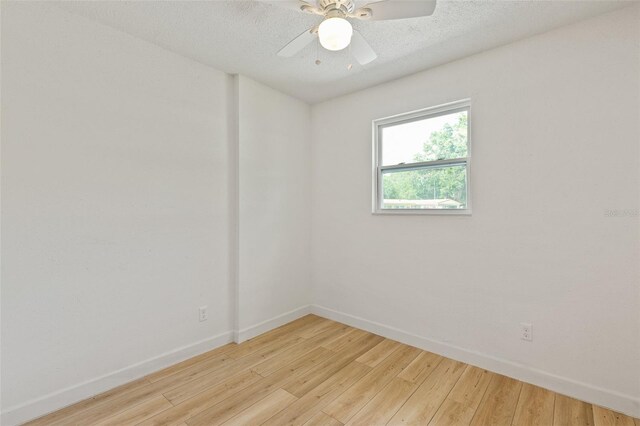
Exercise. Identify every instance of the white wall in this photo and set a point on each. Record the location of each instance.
(130, 177)
(115, 221)
(274, 272)
(555, 143)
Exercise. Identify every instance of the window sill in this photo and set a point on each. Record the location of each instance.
(431, 212)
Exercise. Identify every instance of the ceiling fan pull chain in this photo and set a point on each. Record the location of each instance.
(318, 61)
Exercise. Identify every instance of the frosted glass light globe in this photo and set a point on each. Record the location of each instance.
(335, 33)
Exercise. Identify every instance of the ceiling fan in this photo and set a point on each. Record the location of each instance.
(335, 31)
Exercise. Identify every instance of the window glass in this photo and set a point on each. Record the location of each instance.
(442, 137)
(426, 188)
(421, 161)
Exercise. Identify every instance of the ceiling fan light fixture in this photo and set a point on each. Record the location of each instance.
(335, 33)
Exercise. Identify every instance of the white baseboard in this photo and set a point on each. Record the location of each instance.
(264, 326)
(57, 400)
(583, 391)
(35, 408)
(65, 397)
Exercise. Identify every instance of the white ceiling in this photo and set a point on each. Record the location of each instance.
(244, 36)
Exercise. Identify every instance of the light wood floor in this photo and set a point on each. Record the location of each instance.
(318, 372)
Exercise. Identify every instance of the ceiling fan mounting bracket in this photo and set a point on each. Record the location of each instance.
(310, 9)
(362, 13)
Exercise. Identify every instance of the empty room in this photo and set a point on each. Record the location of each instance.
(320, 212)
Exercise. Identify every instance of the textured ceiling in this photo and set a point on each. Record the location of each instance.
(244, 36)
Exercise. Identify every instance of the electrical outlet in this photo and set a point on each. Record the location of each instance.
(526, 331)
(203, 314)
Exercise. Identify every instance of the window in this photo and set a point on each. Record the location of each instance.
(421, 161)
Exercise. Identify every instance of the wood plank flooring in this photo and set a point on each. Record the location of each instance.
(314, 371)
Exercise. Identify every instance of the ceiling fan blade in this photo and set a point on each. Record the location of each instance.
(298, 43)
(361, 50)
(396, 9)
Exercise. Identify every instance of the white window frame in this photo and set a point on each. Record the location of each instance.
(449, 108)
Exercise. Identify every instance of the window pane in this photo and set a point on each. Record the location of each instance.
(437, 138)
(430, 188)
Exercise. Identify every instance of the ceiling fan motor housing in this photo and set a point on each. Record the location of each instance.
(345, 6)
(337, 9)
